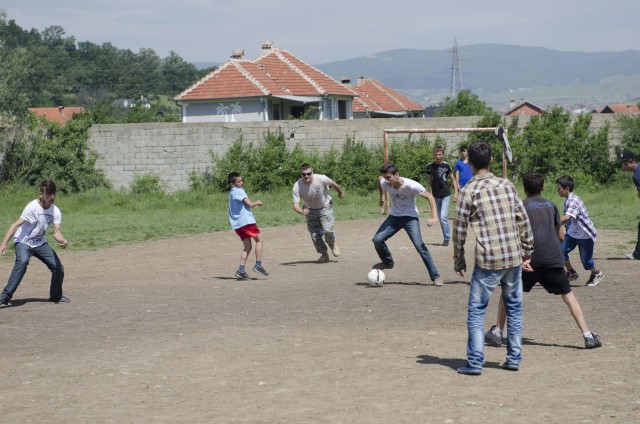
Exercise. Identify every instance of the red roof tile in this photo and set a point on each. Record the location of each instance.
(621, 108)
(276, 72)
(60, 114)
(377, 97)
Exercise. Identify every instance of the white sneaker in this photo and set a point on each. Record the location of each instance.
(438, 282)
(336, 251)
(595, 279)
(629, 256)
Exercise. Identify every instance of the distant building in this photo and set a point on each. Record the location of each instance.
(60, 114)
(524, 109)
(631, 108)
(275, 86)
(376, 100)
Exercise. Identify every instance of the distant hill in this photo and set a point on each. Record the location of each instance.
(498, 73)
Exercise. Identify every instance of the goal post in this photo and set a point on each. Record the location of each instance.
(493, 130)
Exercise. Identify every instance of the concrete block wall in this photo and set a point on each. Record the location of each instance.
(173, 150)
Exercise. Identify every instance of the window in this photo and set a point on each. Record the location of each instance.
(276, 112)
(297, 111)
(342, 109)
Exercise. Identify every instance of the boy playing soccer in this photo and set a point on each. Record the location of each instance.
(580, 232)
(546, 261)
(243, 222)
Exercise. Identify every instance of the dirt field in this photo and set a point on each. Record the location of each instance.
(161, 332)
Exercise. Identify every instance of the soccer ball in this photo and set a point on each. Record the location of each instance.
(376, 277)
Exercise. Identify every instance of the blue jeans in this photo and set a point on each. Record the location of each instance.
(442, 205)
(46, 254)
(585, 247)
(483, 282)
(411, 225)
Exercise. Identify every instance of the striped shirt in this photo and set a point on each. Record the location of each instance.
(493, 209)
(575, 208)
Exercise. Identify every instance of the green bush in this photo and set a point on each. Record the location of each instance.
(145, 184)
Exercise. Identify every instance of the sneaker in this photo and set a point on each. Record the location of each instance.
(242, 275)
(595, 279)
(336, 251)
(469, 370)
(630, 256)
(572, 275)
(438, 282)
(4, 301)
(261, 270)
(63, 299)
(510, 367)
(592, 342)
(382, 265)
(445, 243)
(323, 259)
(492, 338)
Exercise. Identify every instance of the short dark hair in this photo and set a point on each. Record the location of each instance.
(533, 182)
(463, 147)
(305, 166)
(566, 182)
(48, 187)
(388, 168)
(232, 177)
(480, 154)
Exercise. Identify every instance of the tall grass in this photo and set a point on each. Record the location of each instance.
(101, 218)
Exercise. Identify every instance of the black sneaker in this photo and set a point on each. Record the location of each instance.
(242, 275)
(492, 339)
(572, 275)
(510, 367)
(595, 279)
(592, 342)
(382, 265)
(261, 270)
(4, 301)
(445, 243)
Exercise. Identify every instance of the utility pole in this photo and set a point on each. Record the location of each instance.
(456, 78)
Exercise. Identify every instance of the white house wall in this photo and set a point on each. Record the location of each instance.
(223, 111)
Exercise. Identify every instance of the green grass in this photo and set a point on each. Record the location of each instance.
(102, 218)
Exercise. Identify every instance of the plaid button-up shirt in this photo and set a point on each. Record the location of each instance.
(575, 208)
(493, 209)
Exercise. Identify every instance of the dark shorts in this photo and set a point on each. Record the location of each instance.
(554, 280)
(249, 230)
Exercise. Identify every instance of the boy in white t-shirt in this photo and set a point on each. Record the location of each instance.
(29, 241)
(403, 216)
(243, 222)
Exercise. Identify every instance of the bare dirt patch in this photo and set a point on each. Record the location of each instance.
(162, 332)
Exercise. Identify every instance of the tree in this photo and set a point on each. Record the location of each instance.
(629, 130)
(464, 104)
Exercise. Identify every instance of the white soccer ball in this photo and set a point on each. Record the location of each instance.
(376, 277)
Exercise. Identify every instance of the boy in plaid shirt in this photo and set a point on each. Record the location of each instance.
(580, 232)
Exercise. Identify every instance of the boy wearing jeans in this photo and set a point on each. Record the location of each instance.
(580, 232)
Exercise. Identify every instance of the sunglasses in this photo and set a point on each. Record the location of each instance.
(306, 174)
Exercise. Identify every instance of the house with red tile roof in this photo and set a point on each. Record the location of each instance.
(524, 109)
(619, 108)
(60, 114)
(376, 100)
(275, 86)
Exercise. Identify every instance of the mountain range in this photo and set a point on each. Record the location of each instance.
(499, 74)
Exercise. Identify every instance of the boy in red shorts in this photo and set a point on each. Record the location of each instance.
(243, 222)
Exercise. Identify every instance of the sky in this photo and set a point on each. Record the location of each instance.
(332, 30)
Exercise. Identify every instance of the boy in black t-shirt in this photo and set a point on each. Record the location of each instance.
(438, 171)
(547, 260)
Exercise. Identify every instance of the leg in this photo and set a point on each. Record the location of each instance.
(47, 255)
(483, 282)
(412, 227)
(636, 252)
(23, 255)
(259, 247)
(585, 247)
(315, 229)
(327, 222)
(388, 229)
(511, 283)
(576, 311)
(568, 244)
(246, 249)
(443, 213)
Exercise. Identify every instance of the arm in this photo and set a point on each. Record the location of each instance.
(459, 235)
(434, 209)
(57, 236)
(10, 232)
(456, 187)
(565, 218)
(381, 191)
(251, 204)
(298, 209)
(561, 232)
(337, 188)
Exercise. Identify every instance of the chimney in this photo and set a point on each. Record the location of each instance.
(266, 45)
(346, 80)
(360, 80)
(512, 103)
(61, 110)
(237, 54)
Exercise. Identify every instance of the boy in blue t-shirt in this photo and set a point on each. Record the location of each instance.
(463, 169)
(242, 221)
